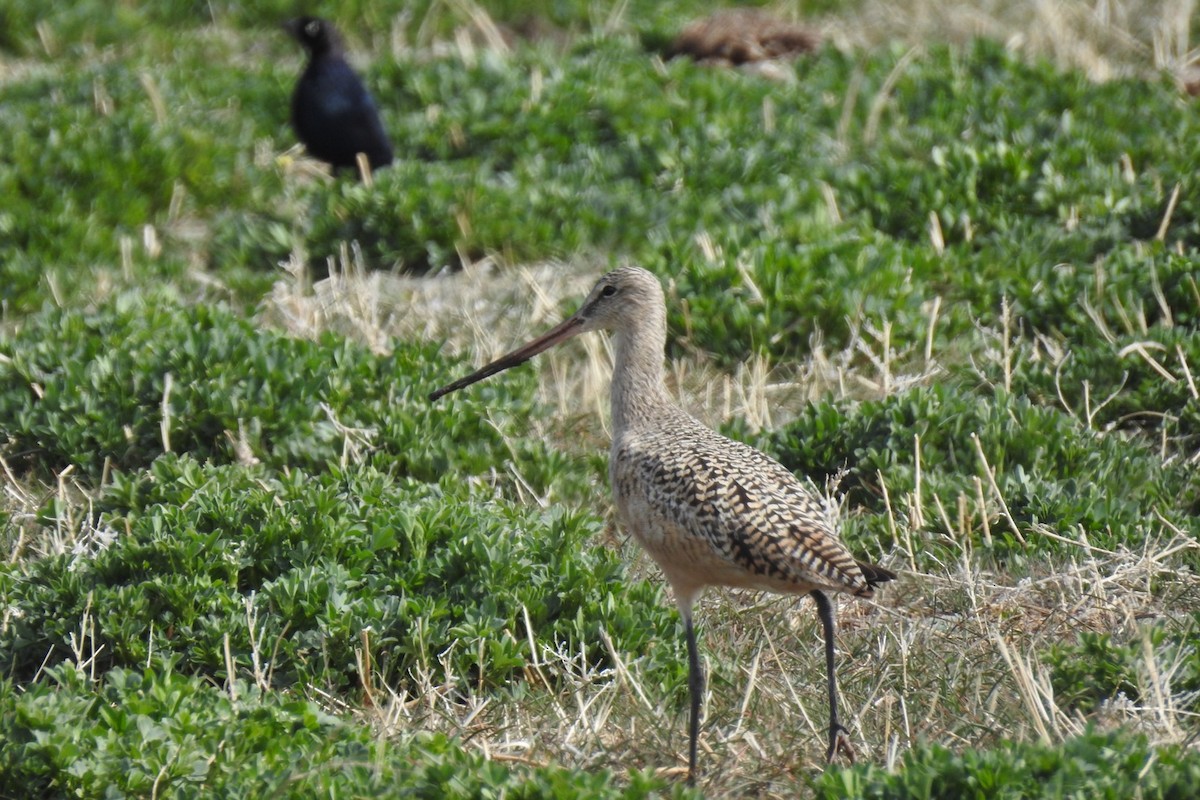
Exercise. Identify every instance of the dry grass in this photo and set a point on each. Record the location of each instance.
(1103, 38)
(74, 529)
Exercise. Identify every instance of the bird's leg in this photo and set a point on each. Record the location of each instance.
(364, 169)
(839, 741)
(695, 690)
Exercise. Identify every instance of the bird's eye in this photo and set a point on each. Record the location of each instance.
(312, 28)
(608, 291)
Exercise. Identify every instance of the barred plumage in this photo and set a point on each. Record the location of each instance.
(760, 528)
(709, 510)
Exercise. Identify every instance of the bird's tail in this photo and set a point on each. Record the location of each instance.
(875, 574)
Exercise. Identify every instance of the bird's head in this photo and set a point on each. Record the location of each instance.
(620, 299)
(316, 35)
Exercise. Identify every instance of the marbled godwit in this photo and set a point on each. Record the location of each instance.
(709, 510)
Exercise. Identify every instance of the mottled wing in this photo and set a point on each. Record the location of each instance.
(749, 510)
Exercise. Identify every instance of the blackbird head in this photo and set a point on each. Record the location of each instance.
(316, 35)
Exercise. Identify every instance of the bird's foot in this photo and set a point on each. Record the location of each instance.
(839, 744)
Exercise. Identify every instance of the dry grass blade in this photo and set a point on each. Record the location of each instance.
(1103, 39)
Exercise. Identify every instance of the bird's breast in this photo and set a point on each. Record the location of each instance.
(712, 512)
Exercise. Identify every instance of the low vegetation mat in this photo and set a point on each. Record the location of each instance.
(951, 280)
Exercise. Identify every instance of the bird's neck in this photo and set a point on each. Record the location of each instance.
(638, 392)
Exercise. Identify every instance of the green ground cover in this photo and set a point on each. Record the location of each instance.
(244, 556)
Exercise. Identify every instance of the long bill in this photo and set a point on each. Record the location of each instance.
(565, 330)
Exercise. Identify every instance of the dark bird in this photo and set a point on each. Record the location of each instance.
(332, 111)
(709, 510)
